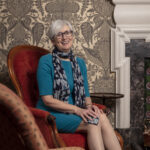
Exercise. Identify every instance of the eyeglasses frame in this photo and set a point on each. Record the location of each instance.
(67, 33)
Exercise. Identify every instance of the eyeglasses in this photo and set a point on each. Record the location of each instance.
(66, 34)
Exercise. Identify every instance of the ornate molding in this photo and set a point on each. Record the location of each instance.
(132, 19)
(116, 2)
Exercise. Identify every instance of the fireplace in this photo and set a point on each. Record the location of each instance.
(132, 22)
(139, 53)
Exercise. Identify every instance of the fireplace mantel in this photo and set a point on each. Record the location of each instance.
(132, 19)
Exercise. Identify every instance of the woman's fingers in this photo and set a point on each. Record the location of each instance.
(88, 114)
(84, 114)
(84, 118)
(93, 114)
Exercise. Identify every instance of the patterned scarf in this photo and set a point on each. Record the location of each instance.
(61, 88)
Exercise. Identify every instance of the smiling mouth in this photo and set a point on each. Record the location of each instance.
(64, 43)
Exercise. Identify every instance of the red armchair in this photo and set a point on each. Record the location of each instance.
(22, 64)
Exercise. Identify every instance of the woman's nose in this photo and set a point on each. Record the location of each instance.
(64, 36)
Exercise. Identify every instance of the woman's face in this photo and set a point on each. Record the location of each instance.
(64, 39)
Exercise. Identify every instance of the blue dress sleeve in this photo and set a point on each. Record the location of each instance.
(44, 75)
(83, 69)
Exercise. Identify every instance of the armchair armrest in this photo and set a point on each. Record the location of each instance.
(39, 113)
(59, 141)
(47, 125)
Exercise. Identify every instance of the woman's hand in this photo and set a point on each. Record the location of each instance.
(85, 113)
(95, 109)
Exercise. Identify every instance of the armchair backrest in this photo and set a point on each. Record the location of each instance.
(22, 64)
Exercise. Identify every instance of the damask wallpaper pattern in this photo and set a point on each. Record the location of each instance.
(28, 21)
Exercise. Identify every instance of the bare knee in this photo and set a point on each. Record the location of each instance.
(103, 121)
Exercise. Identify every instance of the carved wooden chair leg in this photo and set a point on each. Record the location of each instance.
(120, 139)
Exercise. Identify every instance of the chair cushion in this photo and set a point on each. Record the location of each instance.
(75, 139)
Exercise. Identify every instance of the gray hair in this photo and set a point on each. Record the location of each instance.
(56, 26)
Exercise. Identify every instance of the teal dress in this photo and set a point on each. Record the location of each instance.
(65, 122)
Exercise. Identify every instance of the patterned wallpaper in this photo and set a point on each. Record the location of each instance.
(28, 21)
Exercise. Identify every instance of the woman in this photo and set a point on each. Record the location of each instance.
(63, 88)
